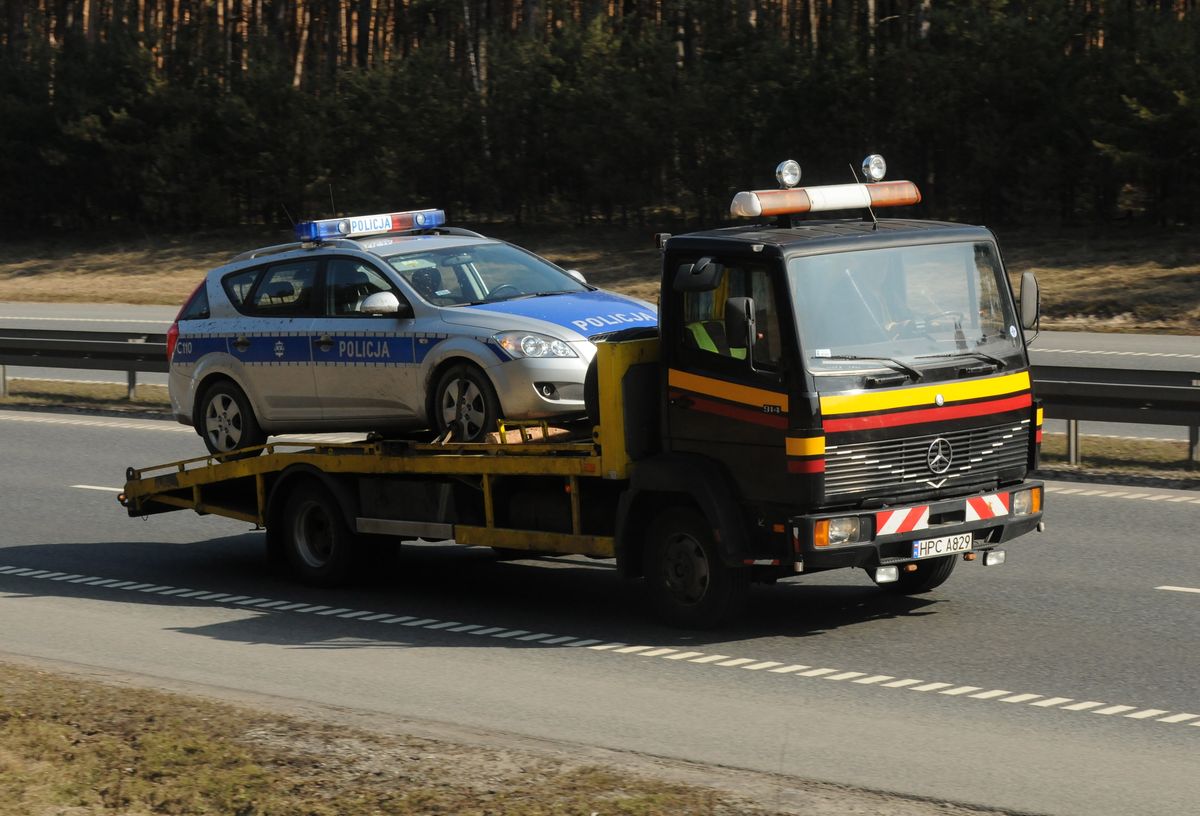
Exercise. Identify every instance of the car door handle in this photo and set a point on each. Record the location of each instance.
(241, 343)
(325, 342)
(682, 402)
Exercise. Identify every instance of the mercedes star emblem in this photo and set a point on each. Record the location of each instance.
(939, 456)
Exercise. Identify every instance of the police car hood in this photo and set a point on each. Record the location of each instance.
(584, 313)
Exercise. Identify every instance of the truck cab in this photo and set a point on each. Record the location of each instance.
(861, 386)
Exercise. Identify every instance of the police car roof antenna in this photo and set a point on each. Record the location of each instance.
(332, 206)
(870, 211)
(288, 214)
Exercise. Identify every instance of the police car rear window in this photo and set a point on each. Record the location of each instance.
(285, 290)
(197, 307)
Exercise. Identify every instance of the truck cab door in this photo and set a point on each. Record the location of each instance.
(726, 394)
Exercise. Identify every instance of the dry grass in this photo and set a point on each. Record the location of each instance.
(81, 396)
(1123, 279)
(1105, 456)
(85, 749)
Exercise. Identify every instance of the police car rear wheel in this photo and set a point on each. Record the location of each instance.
(465, 401)
(227, 421)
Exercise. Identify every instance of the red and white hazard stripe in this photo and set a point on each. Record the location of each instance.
(904, 520)
(986, 507)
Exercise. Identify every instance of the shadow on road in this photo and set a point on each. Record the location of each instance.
(574, 596)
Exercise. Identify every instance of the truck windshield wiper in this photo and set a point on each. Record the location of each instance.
(907, 369)
(979, 355)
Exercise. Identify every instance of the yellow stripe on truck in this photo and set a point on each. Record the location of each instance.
(806, 446)
(720, 389)
(865, 402)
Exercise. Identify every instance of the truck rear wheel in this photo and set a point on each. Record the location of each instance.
(689, 585)
(319, 546)
(928, 575)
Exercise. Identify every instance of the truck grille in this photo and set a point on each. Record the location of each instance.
(897, 466)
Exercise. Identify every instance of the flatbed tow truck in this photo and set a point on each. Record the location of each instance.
(820, 394)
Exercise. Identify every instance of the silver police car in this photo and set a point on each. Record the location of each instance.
(386, 323)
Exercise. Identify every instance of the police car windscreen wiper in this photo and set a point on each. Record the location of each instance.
(979, 355)
(907, 369)
(524, 296)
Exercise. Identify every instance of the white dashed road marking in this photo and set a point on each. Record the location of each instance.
(1121, 494)
(550, 640)
(1175, 354)
(98, 487)
(1180, 589)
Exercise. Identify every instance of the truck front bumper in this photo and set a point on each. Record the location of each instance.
(902, 534)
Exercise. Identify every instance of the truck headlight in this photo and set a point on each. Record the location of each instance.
(528, 344)
(1027, 502)
(835, 532)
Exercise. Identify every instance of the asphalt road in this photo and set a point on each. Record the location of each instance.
(1063, 682)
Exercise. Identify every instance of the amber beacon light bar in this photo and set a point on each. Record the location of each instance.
(794, 200)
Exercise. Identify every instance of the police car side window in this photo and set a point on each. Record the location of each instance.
(239, 285)
(285, 290)
(348, 282)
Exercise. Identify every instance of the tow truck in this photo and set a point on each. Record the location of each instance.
(820, 394)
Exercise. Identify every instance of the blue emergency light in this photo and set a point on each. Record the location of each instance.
(369, 224)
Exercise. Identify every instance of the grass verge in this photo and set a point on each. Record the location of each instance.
(82, 396)
(74, 747)
(1108, 458)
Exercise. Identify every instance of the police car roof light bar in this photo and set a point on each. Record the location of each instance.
(797, 200)
(358, 225)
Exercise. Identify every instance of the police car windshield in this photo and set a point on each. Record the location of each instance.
(925, 305)
(481, 273)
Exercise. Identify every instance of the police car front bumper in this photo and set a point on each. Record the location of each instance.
(536, 388)
(899, 535)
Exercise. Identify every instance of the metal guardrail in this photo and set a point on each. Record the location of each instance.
(1073, 393)
(1138, 395)
(131, 352)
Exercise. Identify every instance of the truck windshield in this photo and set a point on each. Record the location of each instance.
(931, 306)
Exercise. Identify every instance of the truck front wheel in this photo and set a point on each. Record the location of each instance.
(320, 547)
(689, 585)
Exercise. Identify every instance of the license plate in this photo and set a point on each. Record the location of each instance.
(933, 547)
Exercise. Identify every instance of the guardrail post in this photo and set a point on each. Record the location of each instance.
(132, 385)
(3, 382)
(1073, 441)
(1194, 445)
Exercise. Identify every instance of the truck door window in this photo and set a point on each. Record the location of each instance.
(704, 316)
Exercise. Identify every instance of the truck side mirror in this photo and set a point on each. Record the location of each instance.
(740, 328)
(1031, 304)
(701, 276)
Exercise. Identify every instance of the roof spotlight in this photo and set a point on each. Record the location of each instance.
(788, 173)
(874, 168)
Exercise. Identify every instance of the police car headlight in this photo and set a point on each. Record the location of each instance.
(528, 344)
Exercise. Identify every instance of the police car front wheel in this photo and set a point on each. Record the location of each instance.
(226, 421)
(465, 401)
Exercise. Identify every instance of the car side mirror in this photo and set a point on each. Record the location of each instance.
(577, 275)
(1031, 304)
(740, 328)
(380, 303)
